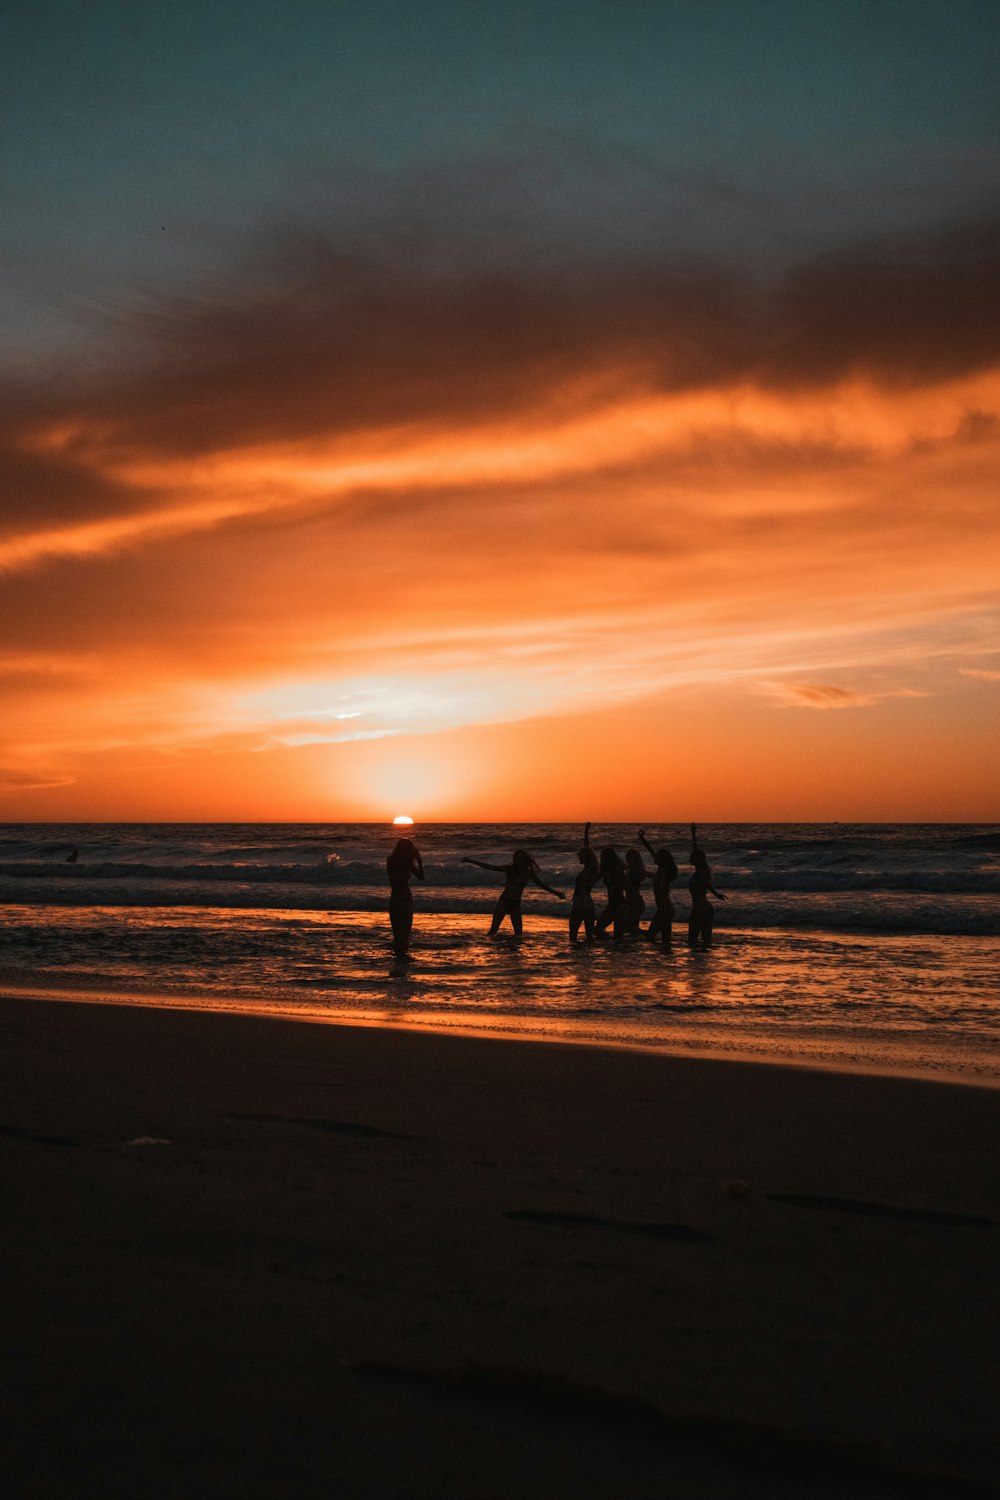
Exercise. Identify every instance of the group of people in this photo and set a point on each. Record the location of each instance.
(623, 880)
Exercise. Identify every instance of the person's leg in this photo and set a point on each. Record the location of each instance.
(499, 912)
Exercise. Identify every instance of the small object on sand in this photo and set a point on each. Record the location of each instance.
(149, 1140)
(737, 1188)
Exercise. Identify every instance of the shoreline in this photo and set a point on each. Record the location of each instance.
(402, 1263)
(472, 1026)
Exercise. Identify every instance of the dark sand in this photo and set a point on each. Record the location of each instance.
(387, 1263)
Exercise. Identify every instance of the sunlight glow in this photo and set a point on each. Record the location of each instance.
(402, 821)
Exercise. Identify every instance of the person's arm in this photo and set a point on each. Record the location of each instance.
(643, 840)
(717, 894)
(540, 882)
(417, 866)
(483, 865)
(694, 838)
(586, 835)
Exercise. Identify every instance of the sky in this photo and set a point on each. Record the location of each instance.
(548, 411)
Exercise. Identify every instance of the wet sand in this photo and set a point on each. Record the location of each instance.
(366, 1262)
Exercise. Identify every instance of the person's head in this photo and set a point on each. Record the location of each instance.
(633, 861)
(587, 857)
(666, 863)
(403, 855)
(700, 861)
(611, 865)
(524, 862)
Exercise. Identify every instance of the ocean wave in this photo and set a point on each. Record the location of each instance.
(887, 912)
(341, 871)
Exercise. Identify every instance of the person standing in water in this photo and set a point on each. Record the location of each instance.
(636, 875)
(702, 910)
(517, 874)
(613, 875)
(661, 923)
(582, 912)
(403, 862)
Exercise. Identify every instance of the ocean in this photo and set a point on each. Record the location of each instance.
(868, 946)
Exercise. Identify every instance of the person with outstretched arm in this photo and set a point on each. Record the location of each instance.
(517, 875)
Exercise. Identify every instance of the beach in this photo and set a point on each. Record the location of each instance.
(254, 1256)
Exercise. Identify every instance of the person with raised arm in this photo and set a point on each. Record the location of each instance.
(702, 910)
(582, 912)
(522, 870)
(665, 872)
(403, 862)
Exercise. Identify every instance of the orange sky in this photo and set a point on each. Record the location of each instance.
(650, 545)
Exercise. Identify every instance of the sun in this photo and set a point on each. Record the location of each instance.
(402, 820)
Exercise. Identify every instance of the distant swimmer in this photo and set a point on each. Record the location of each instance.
(615, 913)
(661, 923)
(403, 862)
(72, 856)
(702, 910)
(636, 875)
(582, 912)
(522, 870)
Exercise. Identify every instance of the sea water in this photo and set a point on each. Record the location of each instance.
(871, 946)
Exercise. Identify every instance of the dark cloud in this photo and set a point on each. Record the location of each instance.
(45, 488)
(907, 311)
(322, 340)
(333, 344)
(316, 340)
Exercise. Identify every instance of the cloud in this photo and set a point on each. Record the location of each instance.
(816, 695)
(14, 780)
(907, 310)
(365, 348)
(316, 338)
(432, 492)
(986, 674)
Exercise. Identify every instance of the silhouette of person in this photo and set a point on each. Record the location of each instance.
(613, 875)
(702, 910)
(636, 875)
(661, 923)
(582, 912)
(403, 862)
(72, 856)
(517, 875)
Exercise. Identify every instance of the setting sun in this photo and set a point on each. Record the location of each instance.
(402, 821)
